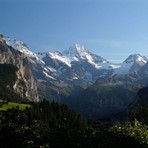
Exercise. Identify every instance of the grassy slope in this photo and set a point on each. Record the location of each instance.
(13, 105)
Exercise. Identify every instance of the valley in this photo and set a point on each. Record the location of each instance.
(71, 99)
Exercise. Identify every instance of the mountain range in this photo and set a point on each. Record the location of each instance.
(87, 82)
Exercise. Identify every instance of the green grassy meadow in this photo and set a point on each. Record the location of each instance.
(13, 105)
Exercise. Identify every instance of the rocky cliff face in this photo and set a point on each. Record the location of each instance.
(25, 85)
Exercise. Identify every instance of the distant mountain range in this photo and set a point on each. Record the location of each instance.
(76, 63)
(86, 81)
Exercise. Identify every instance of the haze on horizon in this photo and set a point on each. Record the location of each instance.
(113, 29)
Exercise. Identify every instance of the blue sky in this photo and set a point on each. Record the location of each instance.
(110, 28)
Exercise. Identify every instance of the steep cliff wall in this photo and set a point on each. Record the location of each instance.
(25, 84)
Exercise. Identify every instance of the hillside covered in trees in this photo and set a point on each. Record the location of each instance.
(53, 125)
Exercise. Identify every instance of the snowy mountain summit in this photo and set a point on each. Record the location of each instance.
(23, 48)
(136, 58)
(20, 46)
(79, 52)
(76, 51)
(133, 63)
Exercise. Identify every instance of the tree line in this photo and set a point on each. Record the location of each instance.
(46, 124)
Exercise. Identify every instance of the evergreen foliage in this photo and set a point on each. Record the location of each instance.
(38, 125)
(54, 125)
(136, 127)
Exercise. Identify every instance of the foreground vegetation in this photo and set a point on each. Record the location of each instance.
(53, 125)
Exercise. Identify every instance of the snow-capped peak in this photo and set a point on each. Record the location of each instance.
(76, 51)
(80, 49)
(131, 64)
(79, 52)
(136, 58)
(22, 47)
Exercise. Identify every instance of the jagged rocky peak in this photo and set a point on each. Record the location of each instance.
(136, 58)
(23, 49)
(20, 46)
(76, 50)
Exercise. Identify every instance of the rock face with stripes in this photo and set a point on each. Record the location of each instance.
(25, 84)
